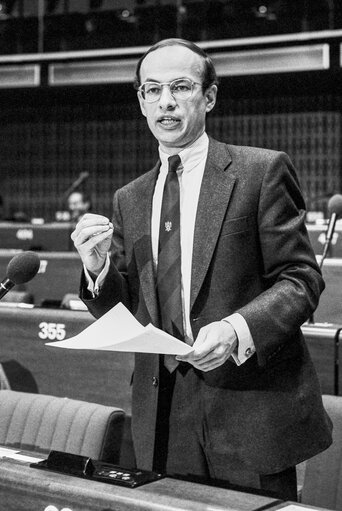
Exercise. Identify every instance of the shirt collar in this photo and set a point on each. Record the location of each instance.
(190, 156)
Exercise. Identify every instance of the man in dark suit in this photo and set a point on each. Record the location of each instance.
(244, 406)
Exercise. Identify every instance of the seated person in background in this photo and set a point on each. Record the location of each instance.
(79, 203)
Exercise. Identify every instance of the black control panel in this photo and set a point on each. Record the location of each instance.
(82, 466)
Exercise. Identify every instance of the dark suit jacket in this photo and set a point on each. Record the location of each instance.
(251, 255)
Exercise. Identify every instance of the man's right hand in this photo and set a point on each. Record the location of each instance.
(92, 238)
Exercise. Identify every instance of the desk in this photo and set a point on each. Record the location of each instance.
(59, 274)
(330, 304)
(101, 376)
(23, 488)
(27, 236)
(324, 341)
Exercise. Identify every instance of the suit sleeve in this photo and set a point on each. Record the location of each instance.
(114, 288)
(293, 281)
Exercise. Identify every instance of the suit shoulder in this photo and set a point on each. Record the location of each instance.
(138, 181)
(255, 154)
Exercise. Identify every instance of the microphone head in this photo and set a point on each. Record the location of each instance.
(23, 267)
(335, 205)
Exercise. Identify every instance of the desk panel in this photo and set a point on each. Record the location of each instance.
(59, 274)
(23, 488)
(27, 236)
(97, 376)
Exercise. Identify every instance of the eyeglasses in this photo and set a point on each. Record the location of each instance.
(182, 89)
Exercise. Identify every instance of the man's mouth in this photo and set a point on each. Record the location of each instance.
(168, 121)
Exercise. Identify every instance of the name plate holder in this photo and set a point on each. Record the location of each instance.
(95, 470)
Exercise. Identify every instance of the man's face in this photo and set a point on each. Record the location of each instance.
(76, 205)
(176, 124)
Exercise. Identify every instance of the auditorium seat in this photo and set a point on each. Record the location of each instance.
(15, 376)
(40, 423)
(14, 296)
(322, 485)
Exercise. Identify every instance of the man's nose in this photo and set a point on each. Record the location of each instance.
(166, 100)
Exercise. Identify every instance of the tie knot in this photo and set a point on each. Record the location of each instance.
(174, 162)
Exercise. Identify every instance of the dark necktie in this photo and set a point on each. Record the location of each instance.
(169, 259)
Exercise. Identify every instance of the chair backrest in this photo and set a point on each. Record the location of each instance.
(322, 485)
(14, 376)
(18, 297)
(40, 423)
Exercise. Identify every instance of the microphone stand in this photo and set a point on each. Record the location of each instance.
(328, 238)
(82, 177)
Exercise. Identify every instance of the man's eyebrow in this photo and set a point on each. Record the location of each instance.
(173, 79)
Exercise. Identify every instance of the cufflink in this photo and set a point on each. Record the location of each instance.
(248, 352)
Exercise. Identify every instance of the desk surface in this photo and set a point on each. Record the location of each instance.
(24, 488)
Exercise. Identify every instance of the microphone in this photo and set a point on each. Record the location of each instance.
(21, 268)
(335, 212)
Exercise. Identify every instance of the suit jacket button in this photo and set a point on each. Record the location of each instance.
(248, 352)
(155, 381)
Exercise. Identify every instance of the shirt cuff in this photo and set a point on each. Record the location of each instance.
(94, 287)
(246, 346)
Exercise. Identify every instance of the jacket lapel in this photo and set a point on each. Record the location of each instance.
(217, 186)
(143, 243)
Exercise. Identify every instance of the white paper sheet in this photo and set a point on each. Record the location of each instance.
(17, 455)
(294, 507)
(24, 457)
(118, 330)
(5, 451)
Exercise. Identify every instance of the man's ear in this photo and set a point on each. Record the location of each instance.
(210, 95)
(142, 104)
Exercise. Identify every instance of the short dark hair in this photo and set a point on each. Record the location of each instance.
(209, 74)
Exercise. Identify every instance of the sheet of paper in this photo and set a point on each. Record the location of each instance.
(294, 507)
(24, 457)
(118, 330)
(17, 455)
(4, 451)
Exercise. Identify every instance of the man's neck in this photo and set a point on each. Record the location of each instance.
(176, 150)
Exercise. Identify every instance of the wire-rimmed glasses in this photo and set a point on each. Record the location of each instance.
(181, 89)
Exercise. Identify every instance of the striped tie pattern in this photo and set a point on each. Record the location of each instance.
(169, 259)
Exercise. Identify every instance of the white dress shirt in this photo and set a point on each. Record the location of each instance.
(190, 176)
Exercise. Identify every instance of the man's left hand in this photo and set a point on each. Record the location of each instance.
(214, 345)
